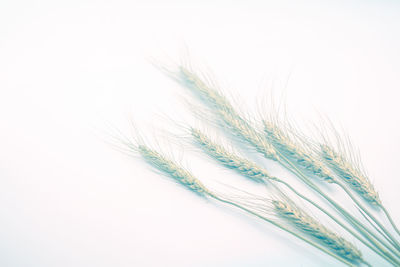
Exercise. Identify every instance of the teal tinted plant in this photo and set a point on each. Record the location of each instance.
(285, 152)
(304, 158)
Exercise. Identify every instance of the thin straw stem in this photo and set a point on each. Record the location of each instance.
(390, 219)
(396, 243)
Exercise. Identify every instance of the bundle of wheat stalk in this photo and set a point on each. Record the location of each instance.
(305, 158)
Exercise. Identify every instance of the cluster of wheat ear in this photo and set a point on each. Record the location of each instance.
(300, 156)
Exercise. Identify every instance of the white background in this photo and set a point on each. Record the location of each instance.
(69, 69)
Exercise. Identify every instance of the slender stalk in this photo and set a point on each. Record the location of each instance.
(365, 210)
(390, 219)
(374, 226)
(368, 235)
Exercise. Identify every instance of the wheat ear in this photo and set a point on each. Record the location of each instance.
(352, 176)
(230, 159)
(170, 168)
(311, 226)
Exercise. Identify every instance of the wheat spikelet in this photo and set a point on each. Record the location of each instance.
(230, 159)
(352, 175)
(227, 113)
(312, 227)
(170, 168)
(296, 152)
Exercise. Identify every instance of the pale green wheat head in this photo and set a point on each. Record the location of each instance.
(170, 168)
(230, 159)
(352, 175)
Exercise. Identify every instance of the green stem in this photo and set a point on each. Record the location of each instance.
(390, 219)
(375, 220)
(366, 263)
(367, 234)
(374, 226)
